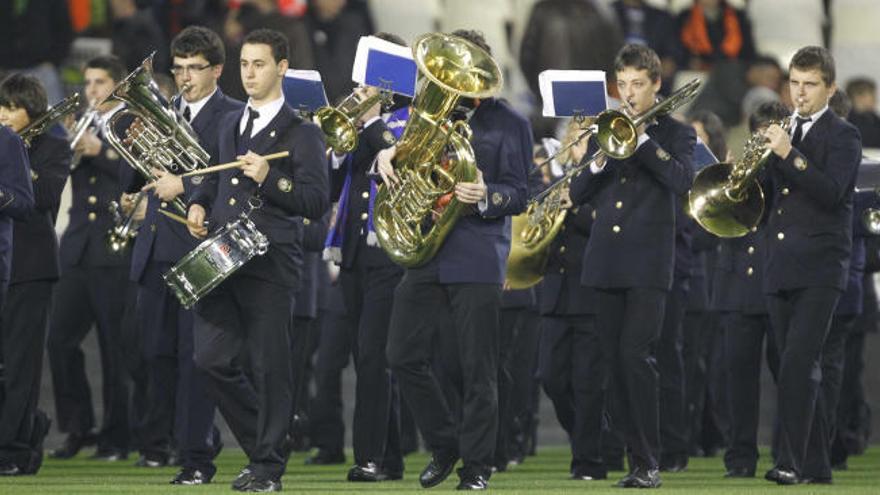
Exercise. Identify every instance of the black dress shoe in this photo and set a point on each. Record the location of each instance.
(437, 470)
(325, 457)
(73, 444)
(473, 482)
(740, 472)
(244, 478)
(9, 469)
(643, 478)
(193, 476)
(151, 461)
(369, 471)
(782, 476)
(261, 485)
(674, 463)
(109, 454)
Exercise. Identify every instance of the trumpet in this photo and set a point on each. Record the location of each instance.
(124, 227)
(79, 130)
(54, 114)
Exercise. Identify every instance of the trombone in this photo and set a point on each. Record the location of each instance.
(339, 123)
(54, 114)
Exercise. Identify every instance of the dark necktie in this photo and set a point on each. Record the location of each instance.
(187, 114)
(245, 139)
(799, 130)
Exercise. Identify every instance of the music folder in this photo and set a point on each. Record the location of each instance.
(573, 93)
(303, 90)
(385, 65)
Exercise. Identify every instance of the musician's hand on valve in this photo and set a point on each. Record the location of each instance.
(140, 211)
(89, 144)
(778, 141)
(166, 187)
(386, 168)
(126, 203)
(196, 216)
(255, 166)
(471, 192)
(565, 199)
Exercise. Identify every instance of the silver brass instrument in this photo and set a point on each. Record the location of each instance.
(54, 114)
(868, 179)
(125, 227)
(159, 138)
(725, 198)
(79, 130)
(339, 124)
(534, 230)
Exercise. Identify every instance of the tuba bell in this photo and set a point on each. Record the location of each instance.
(413, 218)
(726, 199)
(158, 137)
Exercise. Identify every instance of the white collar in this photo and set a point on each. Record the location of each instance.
(196, 106)
(267, 113)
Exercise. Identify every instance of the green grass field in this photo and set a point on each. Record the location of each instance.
(545, 473)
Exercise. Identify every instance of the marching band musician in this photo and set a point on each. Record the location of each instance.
(634, 202)
(462, 285)
(30, 267)
(368, 278)
(92, 287)
(808, 250)
(252, 308)
(178, 400)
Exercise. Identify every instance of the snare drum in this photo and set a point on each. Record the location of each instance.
(215, 259)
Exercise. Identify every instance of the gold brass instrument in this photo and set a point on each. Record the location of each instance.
(413, 218)
(54, 114)
(339, 124)
(159, 138)
(725, 198)
(124, 227)
(534, 230)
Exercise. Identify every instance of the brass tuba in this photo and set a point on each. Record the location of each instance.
(534, 230)
(339, 124)
(57, 112)
(159, 137)
(726, 199)
(409, 220)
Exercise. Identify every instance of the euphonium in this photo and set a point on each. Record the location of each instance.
(534, 230)
(54, 114)
(125, 227)
(158, 138)
(725, 198)
(410, 220)
(339, 124)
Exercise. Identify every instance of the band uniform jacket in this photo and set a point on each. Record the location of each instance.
(632, 241)
(16, 194)
(374, 138)
(809, 229)
(851, 301)
(562, 293)
(476, 249)
(305, 303)
(35, 246)
(96, 183)
(295, 186)
(160, 238)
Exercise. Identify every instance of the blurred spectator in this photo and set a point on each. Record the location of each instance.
(712, 31)
(566, 34)
(335, 27)
(35, 37)
(174, 15)
(711, 131)
(863, 93)
(136, 34)
(840, 104)
(254, 14)
(764, 78)
(647, 25)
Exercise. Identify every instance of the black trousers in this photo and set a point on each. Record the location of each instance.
(368, 292)
(245, 314)
(670, 364)
(327, 429)
(521, 408)
(570, 368)
(745, 337)
(420, 301)
(833, 362)
(86, 296)
(853, 417)
(801, 320)
(629, 322)
(178, 399)
(23, 327)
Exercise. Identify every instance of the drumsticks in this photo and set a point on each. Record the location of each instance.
(235, 164)
(178, 218)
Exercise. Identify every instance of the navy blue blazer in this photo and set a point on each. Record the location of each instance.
(161, 239)
(738, 276)
(16, 194)
(296, 186)
(632, 243)
(852, 299)
(305, 302)
(809, 230)
(562, 293)
(477, 247)
(35, 250)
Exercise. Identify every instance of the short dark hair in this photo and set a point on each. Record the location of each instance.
(715, 131)
(275, 39)
(814, 58)
(638, 57)
(110, 63)
(840, 104)
(475, 37)
(860, 85)
(197, 40)
(767, 112)
(24, 91)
